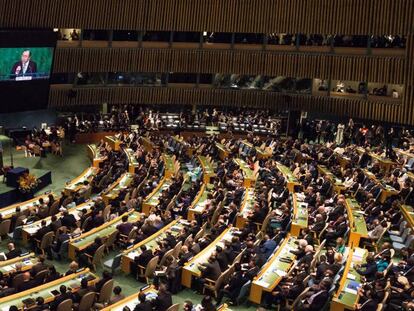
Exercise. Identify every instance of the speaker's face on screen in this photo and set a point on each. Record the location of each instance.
(25, 56)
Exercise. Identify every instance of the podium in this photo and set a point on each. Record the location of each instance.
(13, 176)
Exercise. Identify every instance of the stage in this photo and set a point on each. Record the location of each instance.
(10, 195)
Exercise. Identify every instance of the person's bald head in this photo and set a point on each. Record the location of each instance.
(26, 276)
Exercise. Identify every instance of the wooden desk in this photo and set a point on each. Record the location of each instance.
(104, 231)
(247, 207)
(9, 211)
(384, 163)
(95, 155)
(132, 160)
(170, 165)
(112, 192)
(346, 297)
(408, 213)
(357, 222)
(152, 199)
(343, 160)
(387, 190)
(151, 242)
(27, 261)
(132, 301)
(273, 270)
(199, 204)
(146, 143)
(208, 168)
(71, 281)
(300, 216)
(248, 173)
(223, 151)
(405, 153)
(76, 184)
(114, 142)
(337, 183)
(287, 173)
(29, 230)
(191, 268)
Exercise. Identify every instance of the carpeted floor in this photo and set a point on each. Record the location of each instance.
(64, 169)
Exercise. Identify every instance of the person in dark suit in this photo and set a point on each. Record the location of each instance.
(13, 251)
(211, 270)
(42, 230)
(64, 294)
(145, 257)
(163, 300)
(144, 304)
(308, 257)
(68, 220)
(317, 299)
(106, 276)
(27, 283)
(82, 291)
(268, 246)
(62, 236)
(184, 255)
(40, 266)
(90, 250)
(222, 258)
(366, 301)
(370, 269)
(232, 288)
(125, 227)
(24, 67)
(251, 271)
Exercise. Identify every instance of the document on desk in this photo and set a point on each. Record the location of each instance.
(262, 283)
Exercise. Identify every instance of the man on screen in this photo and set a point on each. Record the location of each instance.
(24, 67)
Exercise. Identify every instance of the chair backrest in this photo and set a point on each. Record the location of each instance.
(64, 247)
(406, 232)
(403, 224)
(409, 240)
(152, 265)
(41, 275)
(86, 222)
(244, 290)
(116, 262)
(47, 240)
(177, 249)
(106, 291)
(167, 253)
(199, 234)
(174, 307)
(87, 302)
(106, 212)
(97, 257)
(5, 227)
(65, 305)
(188, 239)
(299, 298)
(111, 239)
(221, 279)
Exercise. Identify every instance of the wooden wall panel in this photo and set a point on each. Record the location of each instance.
(294, 16)
(350, 68)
